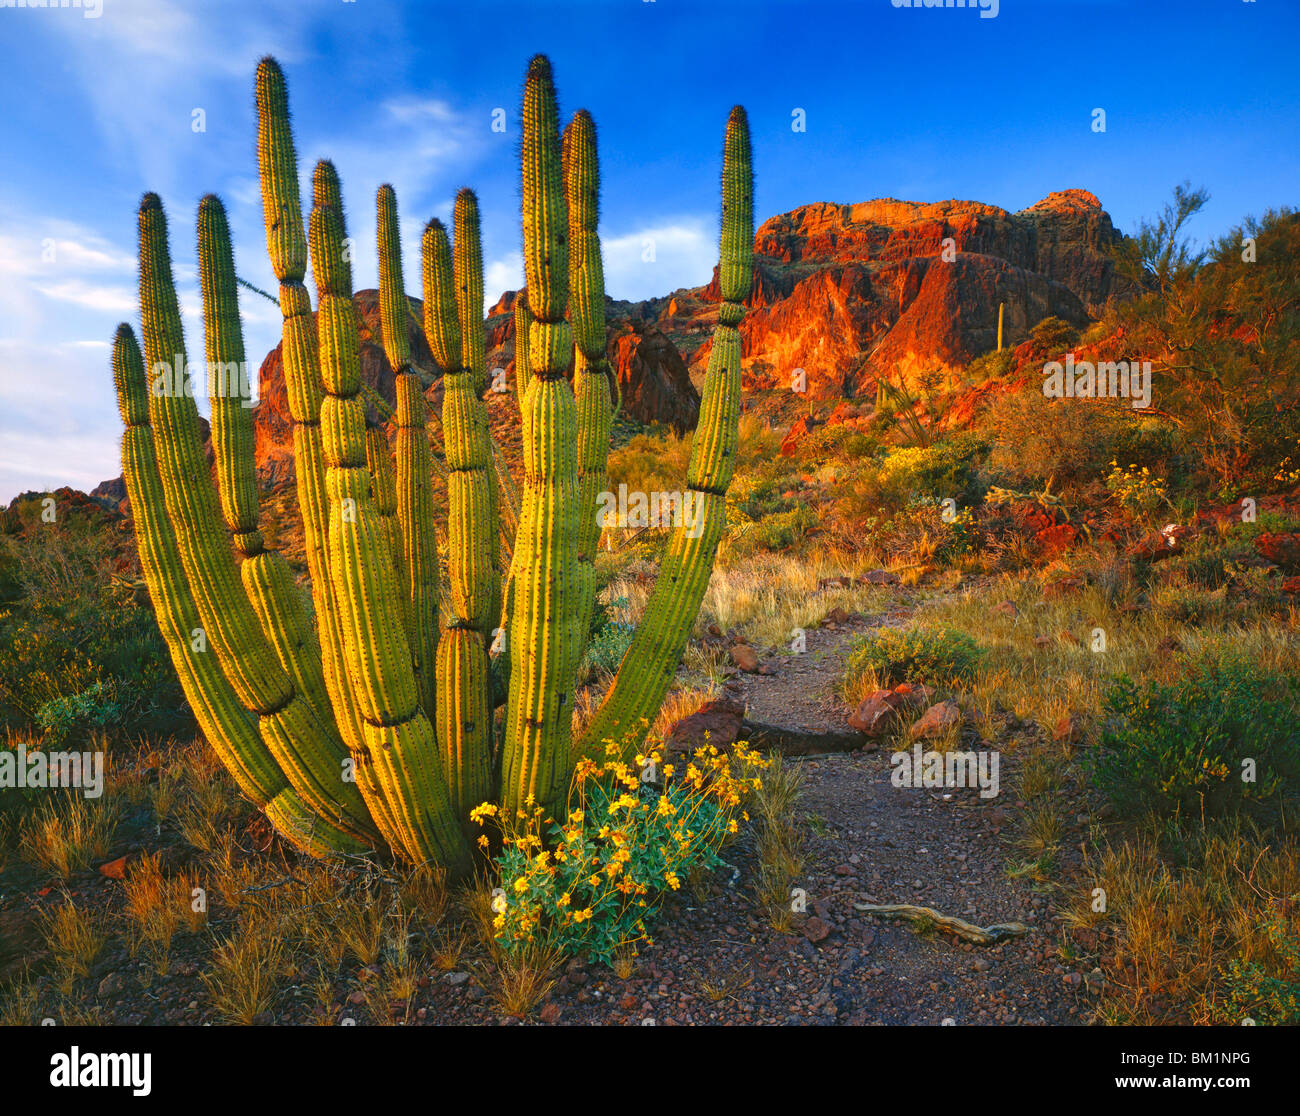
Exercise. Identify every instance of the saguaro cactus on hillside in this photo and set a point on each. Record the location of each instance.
(363, 716)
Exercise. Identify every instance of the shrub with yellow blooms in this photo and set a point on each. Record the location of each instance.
(593, 883)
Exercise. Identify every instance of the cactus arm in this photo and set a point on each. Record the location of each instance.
(536, 761)
(648, 667)
(523, 321)
(286, 244)
(267, 578)
(306, 748)
(591, 369)
(465, 714)
(231, 729)
(419, 544)
(400, 737)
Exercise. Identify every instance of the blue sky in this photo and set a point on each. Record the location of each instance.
(917, 104)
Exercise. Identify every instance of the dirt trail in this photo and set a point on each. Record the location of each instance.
(873, 842)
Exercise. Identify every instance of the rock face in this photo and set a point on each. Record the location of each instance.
(870, 290)
(653, 380)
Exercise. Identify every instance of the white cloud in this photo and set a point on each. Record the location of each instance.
(116, 299)
(659, 258)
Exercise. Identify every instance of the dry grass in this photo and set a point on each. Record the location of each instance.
(157, 906)
(68, 833)
(246, 971)
(521, 979)
(778, 842)
(1179, 923)
(74, 941)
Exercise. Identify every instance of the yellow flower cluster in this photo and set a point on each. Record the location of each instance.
(632, 833)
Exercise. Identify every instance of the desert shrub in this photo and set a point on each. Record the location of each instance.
(593, 885)
(650, 464)
(993, 365)
(1071, 441)
(858, 446)
(1186, 747)
(1136, 489)
(947, 469)
(611, 636)
(784, 529)
(941, 657)
(1269, 994)
(77, 652)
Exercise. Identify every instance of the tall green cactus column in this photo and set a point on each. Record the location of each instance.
(648, 667)
(419, 543)
(305, 747)
(400, 737)
(286, 245)
(536, 759)
(465, 712)
(591, 373)
(230, 728)
(283, 613)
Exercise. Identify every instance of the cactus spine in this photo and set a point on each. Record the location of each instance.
(371, 721)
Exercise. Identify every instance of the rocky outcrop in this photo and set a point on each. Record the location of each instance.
(653, 380)
(899, 288)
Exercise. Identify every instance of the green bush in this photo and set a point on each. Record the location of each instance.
(947, 469)
(76, 650)
(611, 636)
(940, 657)
(1254, 991)
(1183, 749)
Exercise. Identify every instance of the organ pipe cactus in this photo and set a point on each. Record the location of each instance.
(361, 717)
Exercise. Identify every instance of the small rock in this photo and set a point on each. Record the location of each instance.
(111, 985)
(457, 979)
(550, 1012)
(937, 720)
(114, 869)
(880, 577)
(816, 929)
(1005, 608)
(745, 657)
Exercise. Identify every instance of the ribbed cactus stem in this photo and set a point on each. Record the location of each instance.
(591, 369)
(229, 394)
(648, 667)
(268, 581)
(230, 728)
(418, 567)
(465, 713)
(536, 760)
(399, 735)
(523, 323)
(307, 750)
(287, 248)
